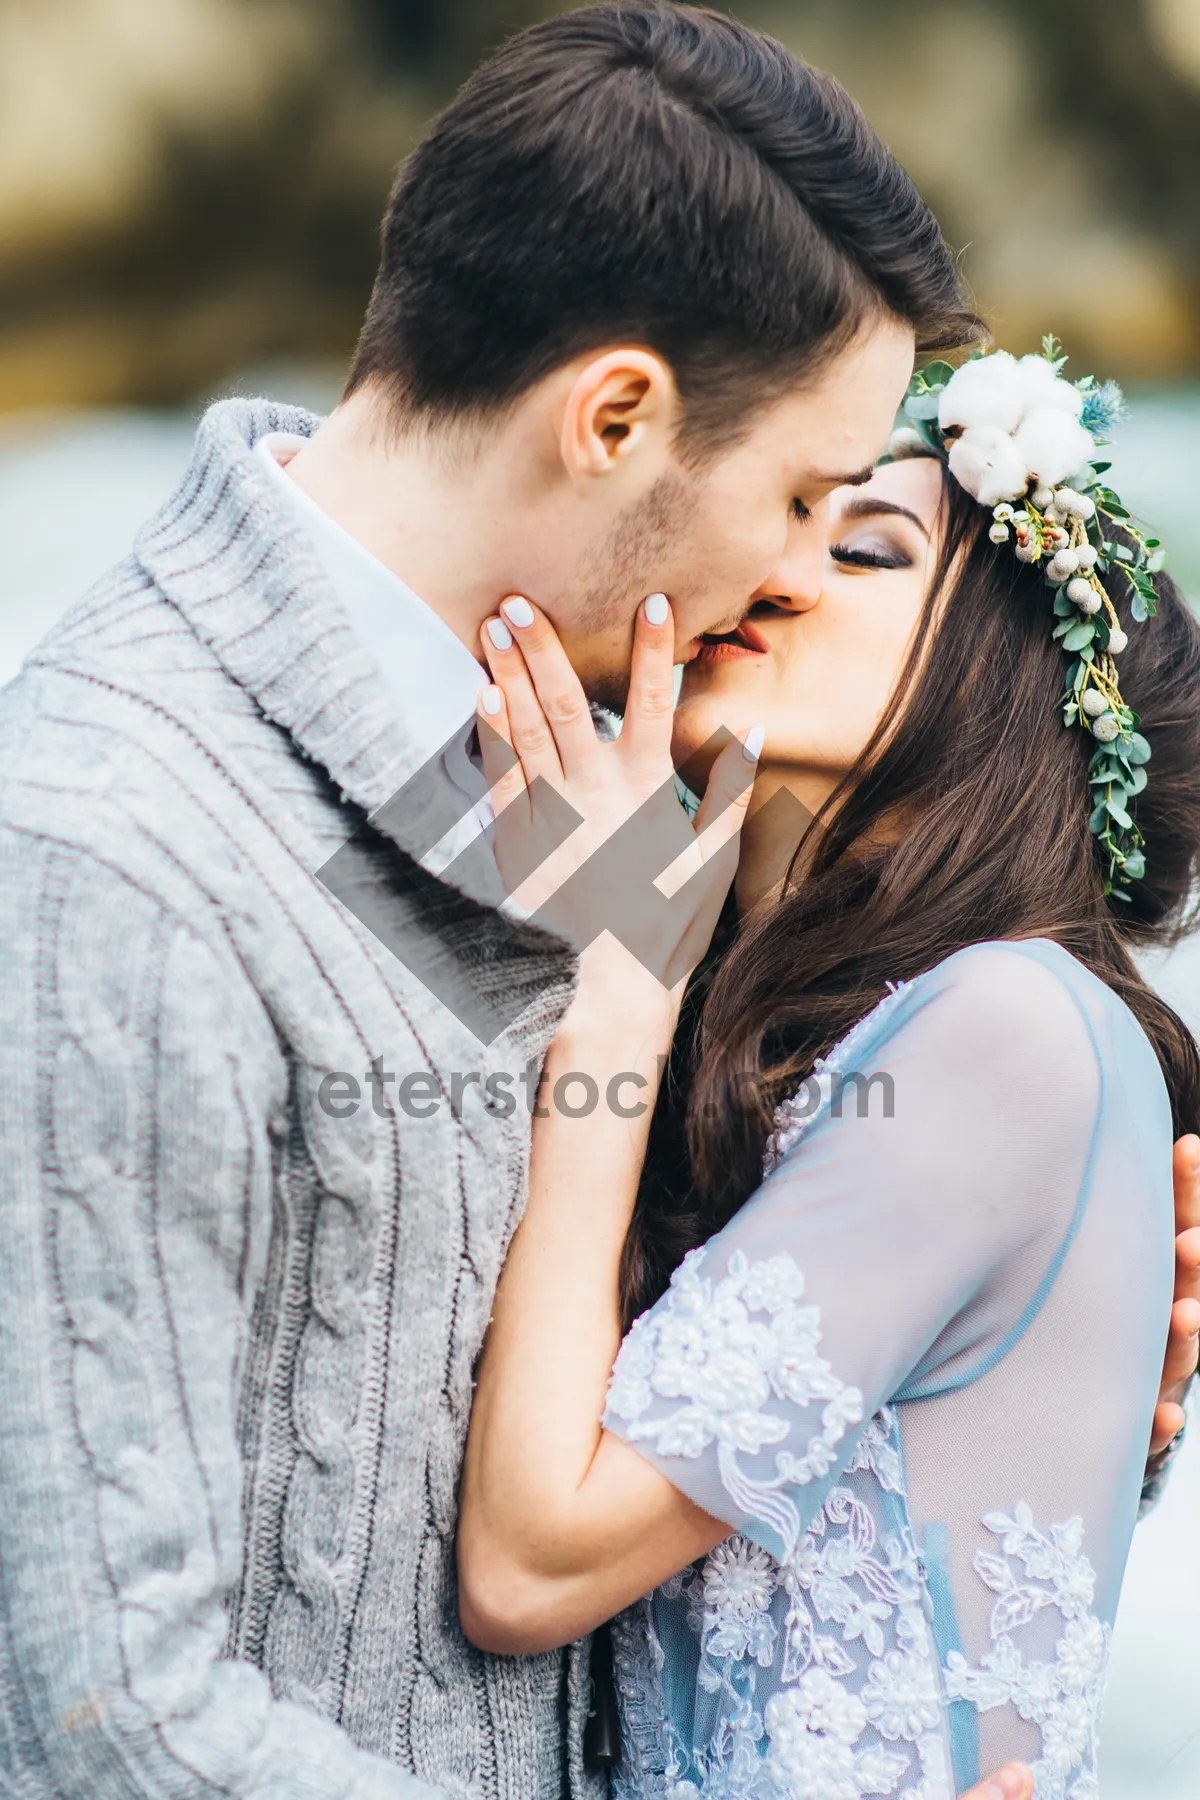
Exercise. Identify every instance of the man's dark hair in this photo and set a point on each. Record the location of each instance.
(655, 174)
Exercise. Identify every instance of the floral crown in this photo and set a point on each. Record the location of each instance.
(1022, 440)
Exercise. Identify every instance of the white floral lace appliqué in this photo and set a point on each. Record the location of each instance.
(1061, 1697)
(703, 1346)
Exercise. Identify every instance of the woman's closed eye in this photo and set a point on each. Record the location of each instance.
(874, 551)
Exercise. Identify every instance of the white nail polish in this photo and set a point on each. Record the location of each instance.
(518, 612)
(756, 737)
(499, 633)
(657, 608)
(492, 700)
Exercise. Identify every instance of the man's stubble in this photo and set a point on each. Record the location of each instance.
(628, 562)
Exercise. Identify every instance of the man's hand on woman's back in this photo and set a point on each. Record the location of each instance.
(1184, 1338)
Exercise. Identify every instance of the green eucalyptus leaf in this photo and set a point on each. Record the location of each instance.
(1137, 781)
(1139, 748)
(1064, 608)
(921, 406)
(1099, 817)
(1135, 865)
(1138, 607)
(1157, 561)
(1116, 811)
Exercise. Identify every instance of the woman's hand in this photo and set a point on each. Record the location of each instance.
(600, 884)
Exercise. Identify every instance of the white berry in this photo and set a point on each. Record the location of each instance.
(1117, 641)
(1106, 729)
(1062, 565)
(1094, 703)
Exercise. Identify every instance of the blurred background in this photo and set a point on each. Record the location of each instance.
(189, 199)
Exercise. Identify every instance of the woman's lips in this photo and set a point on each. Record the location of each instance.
(723, 646)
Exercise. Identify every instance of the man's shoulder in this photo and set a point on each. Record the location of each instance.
(123, 740)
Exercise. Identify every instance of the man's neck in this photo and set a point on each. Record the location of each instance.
(443, 524)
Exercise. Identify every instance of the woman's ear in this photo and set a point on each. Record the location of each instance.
(621, 406)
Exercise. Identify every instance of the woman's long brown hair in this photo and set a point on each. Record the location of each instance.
(965, 819)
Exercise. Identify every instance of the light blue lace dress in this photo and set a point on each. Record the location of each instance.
(915, 1375)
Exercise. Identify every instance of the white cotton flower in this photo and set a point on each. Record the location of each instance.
(1045, 390)
(1052, 444)
(989, 465)
(986, 392)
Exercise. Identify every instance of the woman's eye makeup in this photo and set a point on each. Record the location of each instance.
(871, 553)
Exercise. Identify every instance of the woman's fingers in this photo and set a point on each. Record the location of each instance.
(646, 732)
(722, 811)
(557, 688)
(529, 729)
(501, 766)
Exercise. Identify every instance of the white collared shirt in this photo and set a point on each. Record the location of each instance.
(433, 676)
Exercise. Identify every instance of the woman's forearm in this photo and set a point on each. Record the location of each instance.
(561, 1523)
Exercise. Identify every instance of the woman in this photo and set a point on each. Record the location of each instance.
(918, 1125)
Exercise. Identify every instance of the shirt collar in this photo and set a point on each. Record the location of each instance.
(430, 672)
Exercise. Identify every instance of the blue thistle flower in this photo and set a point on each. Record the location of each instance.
(1103, 409)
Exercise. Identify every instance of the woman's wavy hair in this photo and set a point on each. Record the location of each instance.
(964, 819)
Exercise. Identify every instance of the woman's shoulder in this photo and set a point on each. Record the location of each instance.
(1024, 1017)
(996, 999)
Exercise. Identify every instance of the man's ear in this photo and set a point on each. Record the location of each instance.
(621, 405)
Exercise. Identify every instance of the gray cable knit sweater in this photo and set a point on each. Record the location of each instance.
(238, 1333)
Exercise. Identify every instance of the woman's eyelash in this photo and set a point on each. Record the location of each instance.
(871, 559)
(800, 512)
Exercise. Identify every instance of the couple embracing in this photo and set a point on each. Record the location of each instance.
(331, 1436)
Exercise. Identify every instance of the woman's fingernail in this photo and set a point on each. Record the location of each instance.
(657, 608)
(756, 737)
(517, 611)
(492, 697)
(499, 633)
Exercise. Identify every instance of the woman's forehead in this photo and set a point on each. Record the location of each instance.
(915, 483)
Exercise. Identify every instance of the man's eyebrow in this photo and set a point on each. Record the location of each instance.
(829, 482)
(868, 506)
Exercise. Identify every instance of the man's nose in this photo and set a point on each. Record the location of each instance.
(798, 577)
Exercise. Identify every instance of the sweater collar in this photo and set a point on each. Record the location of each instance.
(229, 551)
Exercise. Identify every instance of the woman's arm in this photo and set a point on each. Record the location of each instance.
(562, 1524)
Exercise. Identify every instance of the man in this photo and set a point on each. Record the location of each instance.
(649, 291)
